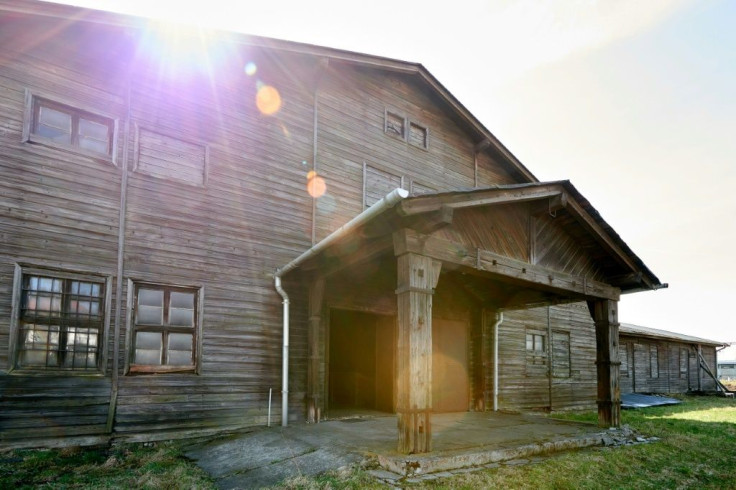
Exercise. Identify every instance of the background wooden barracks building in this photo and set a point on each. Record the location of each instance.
(159, 234)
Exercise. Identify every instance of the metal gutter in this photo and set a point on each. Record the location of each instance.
(386, 203)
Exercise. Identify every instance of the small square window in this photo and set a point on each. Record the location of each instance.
(418, 135)
(395, 125)
(165, 329)
(60, 321)
(57, 124)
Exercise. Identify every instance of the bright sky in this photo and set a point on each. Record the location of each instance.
(634, 102)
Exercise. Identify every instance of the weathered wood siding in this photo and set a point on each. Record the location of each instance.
(352, 107)
(228, 234)
(677, 361)
(526, 386)
(59, 210)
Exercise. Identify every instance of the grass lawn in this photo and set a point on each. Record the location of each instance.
(127, 466)
(697, 449)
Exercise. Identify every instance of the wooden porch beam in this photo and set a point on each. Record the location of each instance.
(500, 266)
(425, 204)
(550, 206)
(430, 222)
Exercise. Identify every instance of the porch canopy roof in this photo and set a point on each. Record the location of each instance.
(512, 245)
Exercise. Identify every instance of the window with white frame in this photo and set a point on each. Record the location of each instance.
(165, 328)
(60, 321)
(64, 125)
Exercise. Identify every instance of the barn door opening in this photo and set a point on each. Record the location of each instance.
(362, 362)
(450, 388)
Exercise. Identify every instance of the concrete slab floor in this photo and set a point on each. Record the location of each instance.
(267, 456)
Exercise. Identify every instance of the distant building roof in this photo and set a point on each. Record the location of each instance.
(629, 329)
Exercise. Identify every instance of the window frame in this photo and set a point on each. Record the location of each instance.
(134, 369)
(407, 123)
(22, 270)
(536, 361)
(34, 100)
(423, 129)
(389, 128)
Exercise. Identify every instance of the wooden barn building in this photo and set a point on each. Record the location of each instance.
(189, 224)
(658, 361)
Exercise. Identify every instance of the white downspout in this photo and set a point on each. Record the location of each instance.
(387, 202)
(499, 320)
(285, 353)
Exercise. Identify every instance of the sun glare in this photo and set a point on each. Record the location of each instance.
(316, 185)
(268, 100)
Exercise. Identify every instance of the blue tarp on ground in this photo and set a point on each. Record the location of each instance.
(637, 400)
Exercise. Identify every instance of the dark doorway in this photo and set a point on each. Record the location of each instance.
(361, 369)
(450, 388)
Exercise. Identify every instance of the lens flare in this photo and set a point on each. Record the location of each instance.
(268, 100)
(316, 185)
(250, 68)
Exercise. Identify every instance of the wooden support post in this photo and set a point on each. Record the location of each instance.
(605, 315)
(417, 277)
(314, 387)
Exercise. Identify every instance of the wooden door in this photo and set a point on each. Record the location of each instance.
(450, 387)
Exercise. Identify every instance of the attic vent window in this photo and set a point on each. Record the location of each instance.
(395, 125)
(405, 129)
(418, 135)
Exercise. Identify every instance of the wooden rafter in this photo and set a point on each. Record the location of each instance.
(502, 267)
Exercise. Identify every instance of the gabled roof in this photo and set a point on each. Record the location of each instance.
(655, 333)
(567, 199)
(485, 140)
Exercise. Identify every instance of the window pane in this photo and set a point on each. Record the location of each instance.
(180, 358)
(148, 340)
(180, 349)
(148, 348)
(150, 315)
(180, 341)
(33, 358)
(49, 284)
(529, 342)
(54, 124)
(151, 297)
(93, 129)
(182, 300)
(181, 317)
(83, 288)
